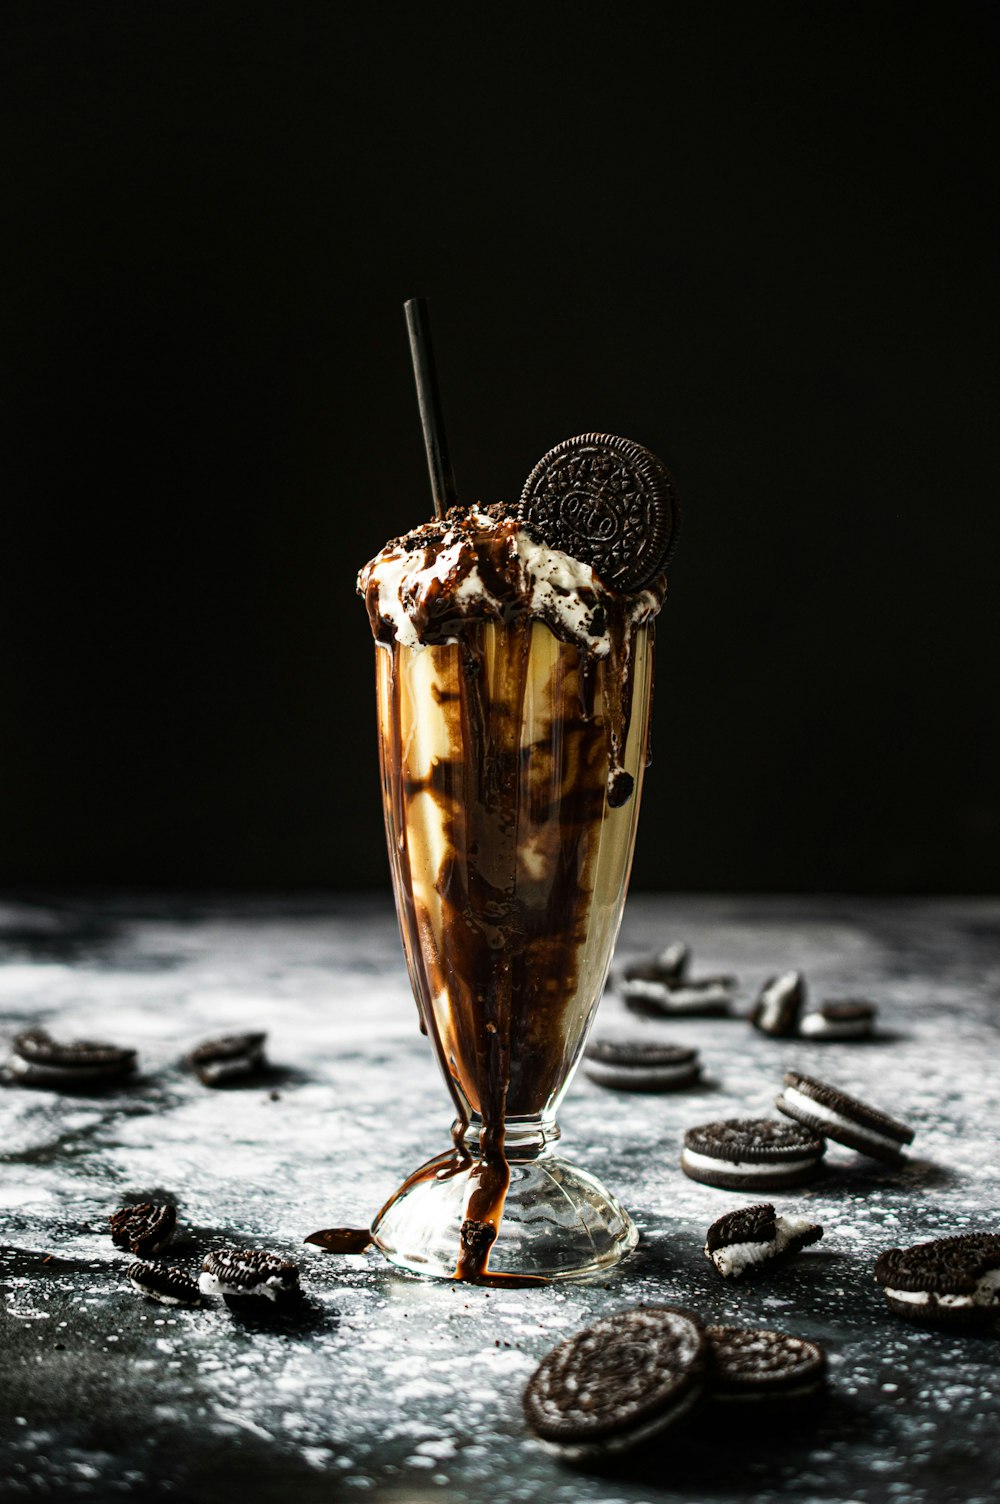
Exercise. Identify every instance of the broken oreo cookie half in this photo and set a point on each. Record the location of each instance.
(144, 1229)
(779, 1003)
(754, 1364)
(39, 1060)
(249, 1273)
(608, 502)
(229, 1058)
(640, 1065)
(668, 965)
(618, 1383)
(747, 1154)
(169, 1286)
(948, 1282)
(753, 1239)
(827, 1110)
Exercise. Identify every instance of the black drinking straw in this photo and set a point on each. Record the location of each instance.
(429, 397)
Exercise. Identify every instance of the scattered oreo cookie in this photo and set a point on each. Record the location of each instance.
(779, 1003)
(39, 1060)
(249, 1273)
(667, 965)
(640, 1065)
(949, 1282)
(752, 1239)
(627, 1378)
(748, 1154)
(833, 1113)
(753, 1364)
(169, 1286)
(227, 1059)
(709, 998)
(849, 1018)
(144, 1229)
(608, 502)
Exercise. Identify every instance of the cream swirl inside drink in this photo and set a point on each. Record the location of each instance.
(513, 702)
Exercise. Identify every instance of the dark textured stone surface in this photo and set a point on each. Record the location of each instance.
(381, 1386)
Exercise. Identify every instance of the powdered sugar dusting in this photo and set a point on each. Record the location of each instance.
(391, 1387)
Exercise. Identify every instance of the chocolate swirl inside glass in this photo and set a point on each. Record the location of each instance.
(512, 758)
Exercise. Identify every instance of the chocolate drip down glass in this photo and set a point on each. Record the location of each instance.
(512, 766)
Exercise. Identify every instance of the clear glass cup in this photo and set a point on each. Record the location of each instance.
(510, 868)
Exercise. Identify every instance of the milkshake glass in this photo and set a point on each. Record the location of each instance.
(513, 693)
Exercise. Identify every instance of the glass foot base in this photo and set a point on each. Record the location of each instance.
(559, 1222)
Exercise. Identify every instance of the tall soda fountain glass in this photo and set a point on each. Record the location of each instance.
(514, 685)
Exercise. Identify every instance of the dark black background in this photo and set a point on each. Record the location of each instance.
(756, 237)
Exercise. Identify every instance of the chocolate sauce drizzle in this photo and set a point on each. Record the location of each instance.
(494, 966)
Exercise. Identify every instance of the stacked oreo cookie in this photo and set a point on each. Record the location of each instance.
(635, 1375)
(756, 1154)
(660, 986)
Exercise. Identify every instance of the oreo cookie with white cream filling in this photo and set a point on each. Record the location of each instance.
(948, 1282)
(231, 1057)
(169, 1286)
(779, 1003)
(40, 1060)
(144, 1229)
(753, 1239)
(827, 1110)
(753, 1364)
(249, 1273)
(668, 965)
(640, 1065)
(619, 1383)
(750, 1154)
(849, 1018)
(710, 997)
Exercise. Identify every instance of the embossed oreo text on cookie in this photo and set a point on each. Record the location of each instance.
(608, 502)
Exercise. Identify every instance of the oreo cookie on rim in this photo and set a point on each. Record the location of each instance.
(847, 1018)
(144, 1229)
(616, 1384)
(753, 1239)
(948, 1282)
(228, 1058)
(827, 1110)
(249, 1273)
(779, 1003)
(166, 1284)
(640, 1065)
(608, 502)
(753, 1364)
(750, 1154)
(40, 1060)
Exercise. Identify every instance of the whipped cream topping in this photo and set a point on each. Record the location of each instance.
(480, 564)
